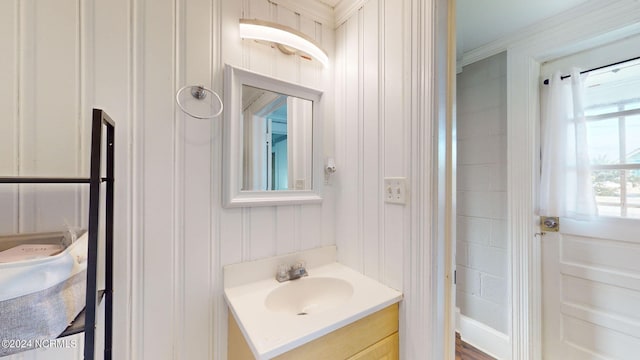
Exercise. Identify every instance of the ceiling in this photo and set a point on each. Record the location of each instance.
(331, 3)
(480, 22)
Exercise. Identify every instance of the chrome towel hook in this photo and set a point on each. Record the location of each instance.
(199, 94)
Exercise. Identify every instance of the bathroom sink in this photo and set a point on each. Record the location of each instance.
(275, 317)
(309, 295)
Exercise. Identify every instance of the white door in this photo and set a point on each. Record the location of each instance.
(591, 291)
(591, 269)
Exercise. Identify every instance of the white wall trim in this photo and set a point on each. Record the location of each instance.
(345, 9)
(418, 285)
(425, 277)
(451, 164)
(486, 51)
(180, 59)
(218, 342)
(382, 21)
(86, 39)
(483, 337)
(591, 25)
(521, 175)
(138, 179)
(502, 44)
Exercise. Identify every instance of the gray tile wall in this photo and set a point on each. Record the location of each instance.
(481, 244)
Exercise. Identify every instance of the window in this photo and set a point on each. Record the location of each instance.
(612, 109)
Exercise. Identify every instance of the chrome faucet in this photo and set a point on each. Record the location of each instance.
(293, 272)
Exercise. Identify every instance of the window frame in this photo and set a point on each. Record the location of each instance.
(622, 166)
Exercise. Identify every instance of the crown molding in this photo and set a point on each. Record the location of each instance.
(312, 9)
(530, 32)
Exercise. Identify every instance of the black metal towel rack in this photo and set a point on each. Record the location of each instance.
(86, 320)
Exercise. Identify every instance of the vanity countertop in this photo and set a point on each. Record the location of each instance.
(270, 333)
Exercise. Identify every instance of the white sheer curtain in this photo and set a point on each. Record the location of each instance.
(566, 189)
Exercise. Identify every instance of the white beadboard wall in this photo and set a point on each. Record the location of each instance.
(41, 107)
(53, 52)
(372, 142)
(172, 235)
(482, 244)
(43, 123)
(185, 235)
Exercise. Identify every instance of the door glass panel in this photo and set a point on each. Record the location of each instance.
(603, 141)
(633, 140)
(606, 184)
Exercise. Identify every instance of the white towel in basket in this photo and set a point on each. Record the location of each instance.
(40, 297)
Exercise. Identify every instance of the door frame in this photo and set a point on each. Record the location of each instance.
(584, 27)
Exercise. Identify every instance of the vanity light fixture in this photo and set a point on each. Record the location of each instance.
(288, 40)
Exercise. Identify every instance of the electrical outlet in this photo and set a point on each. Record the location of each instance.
(395, 190)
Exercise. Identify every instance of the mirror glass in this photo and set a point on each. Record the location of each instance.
(277, 141)
(272, 141)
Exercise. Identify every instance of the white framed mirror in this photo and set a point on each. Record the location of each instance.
(272, 141)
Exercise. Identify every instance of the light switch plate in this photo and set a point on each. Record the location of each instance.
(395, 190)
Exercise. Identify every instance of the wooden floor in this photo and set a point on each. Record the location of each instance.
(465, 351)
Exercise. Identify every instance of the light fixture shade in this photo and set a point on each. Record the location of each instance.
(273, 32)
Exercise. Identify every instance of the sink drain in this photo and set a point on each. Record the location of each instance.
(302, 313)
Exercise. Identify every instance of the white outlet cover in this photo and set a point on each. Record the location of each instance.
(395, 190)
